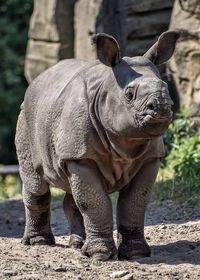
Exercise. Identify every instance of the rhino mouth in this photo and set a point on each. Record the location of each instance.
(150, 119)
(154, 126)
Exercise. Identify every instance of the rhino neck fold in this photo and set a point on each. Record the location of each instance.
(95, 119)
(127, 148)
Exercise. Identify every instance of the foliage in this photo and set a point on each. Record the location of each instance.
(14, 19)
(8, 188)
(181, 128)
(182, 142)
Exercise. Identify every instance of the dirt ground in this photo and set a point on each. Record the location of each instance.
(172, 231)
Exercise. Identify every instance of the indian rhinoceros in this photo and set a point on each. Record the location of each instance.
(93, 128)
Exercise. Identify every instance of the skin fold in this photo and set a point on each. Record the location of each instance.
(93, 128)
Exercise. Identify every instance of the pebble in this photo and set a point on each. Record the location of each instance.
(192, 246)
(163, 227)
(79, 277)
(128, 277)
(119, 274)
(60, 269)
(9, 273)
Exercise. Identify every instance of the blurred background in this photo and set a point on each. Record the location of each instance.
(36, 34)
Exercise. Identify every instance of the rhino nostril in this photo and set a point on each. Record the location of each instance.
(151, 106)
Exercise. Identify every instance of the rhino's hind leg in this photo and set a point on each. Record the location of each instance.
(38, 228)
(95, 206)
(131, 208)
(36, 194)
(75, 221)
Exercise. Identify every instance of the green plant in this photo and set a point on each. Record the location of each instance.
(180, 128)
(182, 162)
(8, 188)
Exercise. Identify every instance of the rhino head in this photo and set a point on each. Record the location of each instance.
(134, 101)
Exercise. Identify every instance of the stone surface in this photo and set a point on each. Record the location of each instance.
(63, 28)
(92, 16)
(51, 35)
(145, 21)
(85, 15)
(185, 67)
(119, 274)
(112, 20)
(128, 277)
(146, 25)
(139, 46)
(141, 6)
(40, 56)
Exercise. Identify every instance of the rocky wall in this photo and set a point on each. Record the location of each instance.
(185, 65)
(63, 28)
(145, 20)
(51, 35)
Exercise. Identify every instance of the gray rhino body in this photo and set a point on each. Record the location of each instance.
(92, 128)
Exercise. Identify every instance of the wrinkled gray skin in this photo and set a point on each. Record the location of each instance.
(92, 128)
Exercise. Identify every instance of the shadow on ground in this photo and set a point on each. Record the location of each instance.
(12, 219)
(12, 222)
(179, 252)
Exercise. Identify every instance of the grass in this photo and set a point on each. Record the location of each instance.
(9, 190)
(167, 186)
(170, 186)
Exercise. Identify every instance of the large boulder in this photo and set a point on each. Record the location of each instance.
(93, 16)
(63, 28)
(145, 20)
(185, 67)
(51, 35)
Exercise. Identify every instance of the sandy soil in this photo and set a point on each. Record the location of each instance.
(172, 231)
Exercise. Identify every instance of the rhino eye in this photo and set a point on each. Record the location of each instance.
(129, 95)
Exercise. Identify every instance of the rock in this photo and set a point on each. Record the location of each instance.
(60, 269)
(20, 221)
(145, 20)
(141, 6)
(9, 273)
(128, 277)
(38, 59)
(93, 16)
(51, 35)
(138, 46)
(85, 15)
(163, 227)
(79, 277)
(185, 65)
(119, 274)
(61, 29)
(147, 24)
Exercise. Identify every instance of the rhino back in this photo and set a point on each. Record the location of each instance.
(51, 93)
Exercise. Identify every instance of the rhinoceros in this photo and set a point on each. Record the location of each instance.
(91, 129)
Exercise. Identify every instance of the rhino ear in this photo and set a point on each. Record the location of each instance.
(107, 49)
(164, 48)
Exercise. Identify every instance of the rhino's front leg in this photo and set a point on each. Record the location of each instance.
(96, 208)
(131, 208)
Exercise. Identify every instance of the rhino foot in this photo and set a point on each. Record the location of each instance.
(38, 240)
(76, 241)
(100, 249)
(132, 249)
